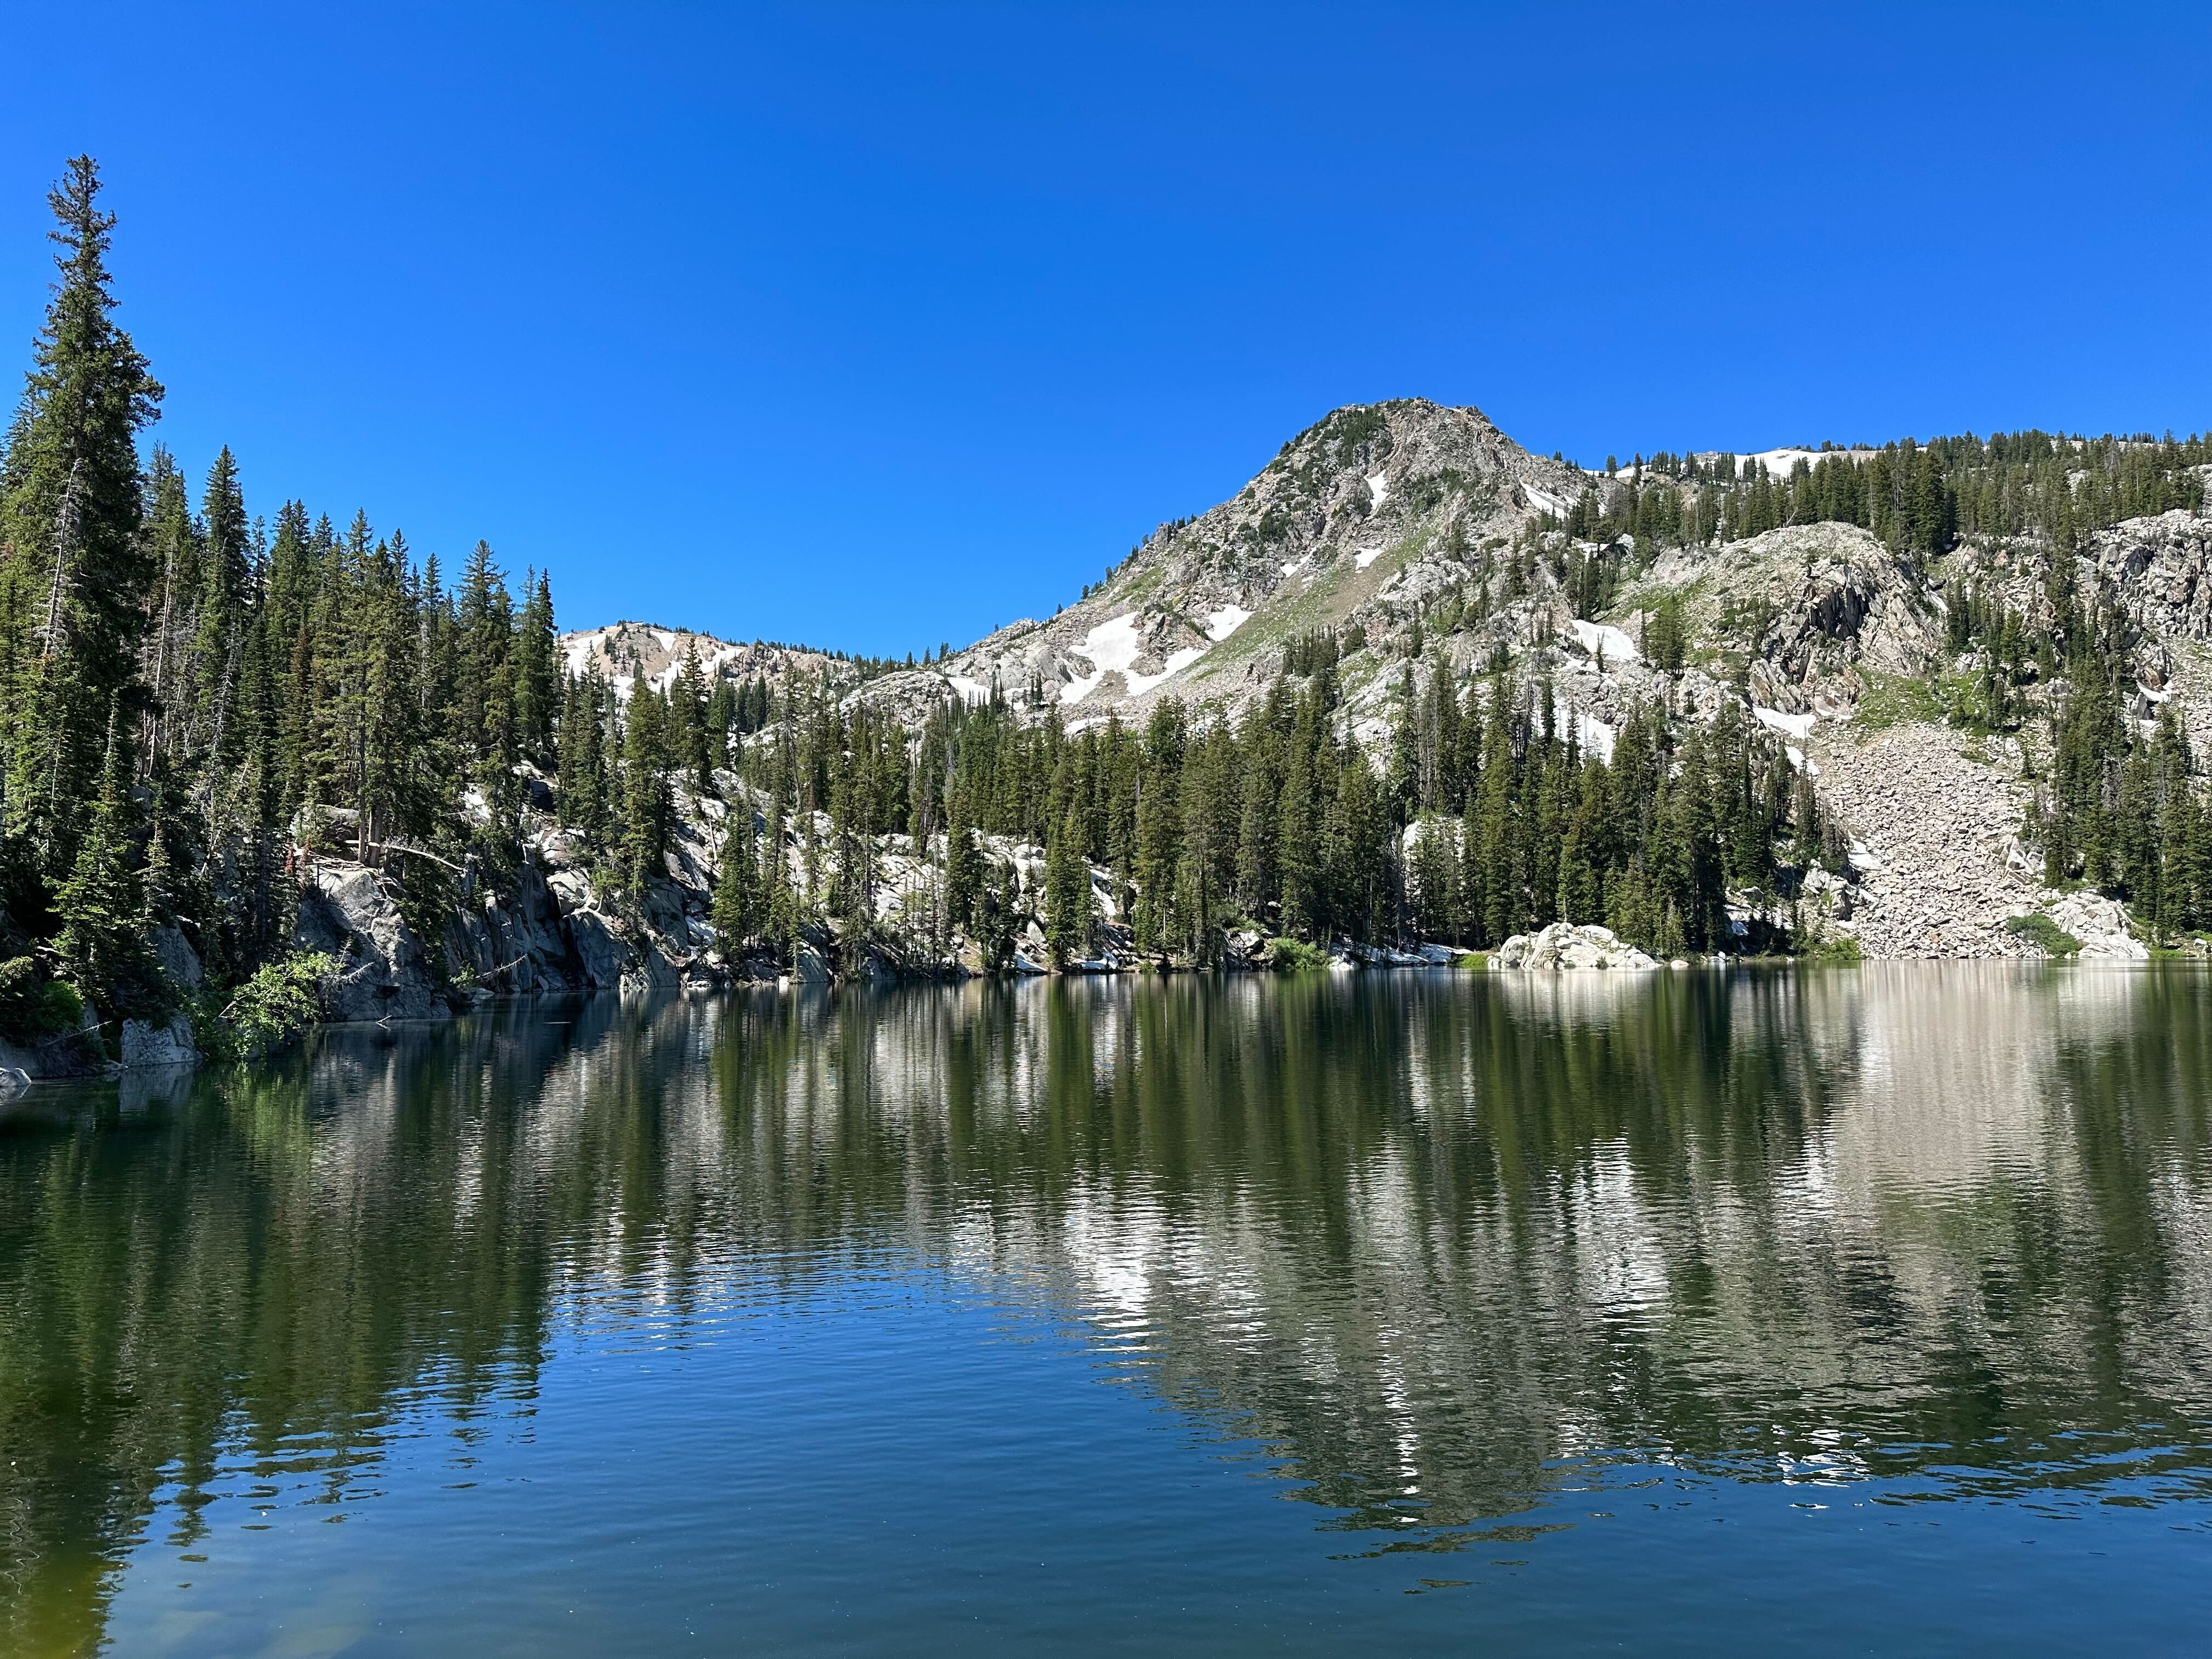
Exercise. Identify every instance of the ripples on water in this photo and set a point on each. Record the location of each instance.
(1833, 1308)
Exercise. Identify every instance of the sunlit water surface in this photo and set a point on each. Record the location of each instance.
(1858, 1311)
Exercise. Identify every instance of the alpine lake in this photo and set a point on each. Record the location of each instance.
(1834, 1310)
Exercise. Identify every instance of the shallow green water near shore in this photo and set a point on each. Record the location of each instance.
(1856, 1310)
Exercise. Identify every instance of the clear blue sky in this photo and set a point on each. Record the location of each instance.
(875, 327)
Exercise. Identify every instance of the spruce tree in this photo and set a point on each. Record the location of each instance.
(76, 579)
(219, 627)
(101, 945)
(647, 803)
(1067, 920)
(735, 912)
(963, 876)
(537, 675)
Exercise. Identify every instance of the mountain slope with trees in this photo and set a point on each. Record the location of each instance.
(1412, 689)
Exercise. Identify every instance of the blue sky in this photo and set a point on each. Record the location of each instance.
(877, 327)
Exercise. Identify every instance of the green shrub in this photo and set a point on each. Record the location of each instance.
(1294, 955)
(2046, 935)
(271, 1009)
(33, 1008)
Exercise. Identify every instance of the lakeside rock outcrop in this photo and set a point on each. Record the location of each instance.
(1567, 945)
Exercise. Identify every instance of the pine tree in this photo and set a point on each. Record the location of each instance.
(77, 574)
(1068, 910)
(537, 675)
(100, 945)
(735, 914)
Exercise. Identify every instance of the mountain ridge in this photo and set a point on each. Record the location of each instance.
(1408, 539)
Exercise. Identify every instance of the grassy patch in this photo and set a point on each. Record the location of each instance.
(2046, 935)
(1836, 951)
(1475, 961)
(1899, 700)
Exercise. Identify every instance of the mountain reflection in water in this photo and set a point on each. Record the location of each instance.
(1437, 1248)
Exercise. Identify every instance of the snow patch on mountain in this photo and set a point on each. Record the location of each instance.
(1595, 736)
(1177, 662)
(1112, 647)
(1778, 462)
(1604, 639)
(1220, 624)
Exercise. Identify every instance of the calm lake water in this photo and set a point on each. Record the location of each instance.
(1853, 1311)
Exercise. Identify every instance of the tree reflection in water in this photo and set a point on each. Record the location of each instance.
(1440, 1243)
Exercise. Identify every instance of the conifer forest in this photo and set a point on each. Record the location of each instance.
(255, 747)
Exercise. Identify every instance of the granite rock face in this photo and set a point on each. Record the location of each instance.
(383, 971)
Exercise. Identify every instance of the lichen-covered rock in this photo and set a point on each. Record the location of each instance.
(1566, 944)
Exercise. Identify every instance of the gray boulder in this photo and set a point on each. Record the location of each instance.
(1566, 945)
(145, 1045)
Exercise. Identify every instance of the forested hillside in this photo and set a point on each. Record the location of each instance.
(1412, 687)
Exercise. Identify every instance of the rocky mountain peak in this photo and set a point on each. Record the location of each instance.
(624, 653)
(1353, 507)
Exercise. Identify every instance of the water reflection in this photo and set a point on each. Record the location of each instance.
(1444, 1244)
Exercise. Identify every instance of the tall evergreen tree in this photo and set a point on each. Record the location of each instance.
(76, 573)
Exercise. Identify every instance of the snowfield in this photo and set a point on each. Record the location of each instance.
(1799, 726)
(1113, 648)
(578, 656)
(1220, 624)
(1779, 461)
(1177, 661)
(1604, 638)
